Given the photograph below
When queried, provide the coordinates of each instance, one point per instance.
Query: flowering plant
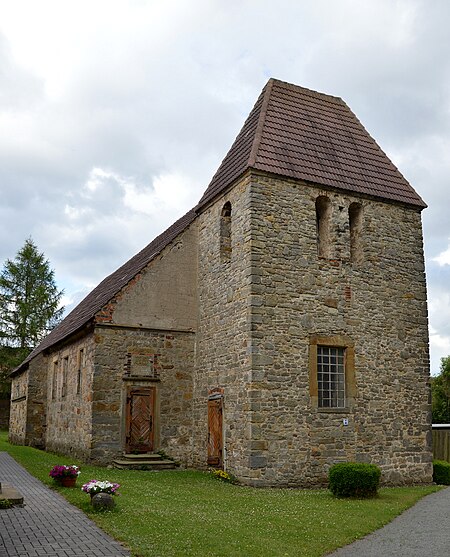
(222, 475)
(95, 486)
(60, 471)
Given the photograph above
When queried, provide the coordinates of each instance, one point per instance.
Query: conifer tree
(29, 300)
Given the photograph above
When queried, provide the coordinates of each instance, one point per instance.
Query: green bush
(441, 472)
(354, 479)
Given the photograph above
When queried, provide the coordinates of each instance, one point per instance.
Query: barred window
(331, 377)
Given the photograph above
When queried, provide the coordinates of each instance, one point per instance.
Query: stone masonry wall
(172, 379)
(18, 412)
(223, 349)
(28, 405)
(378, 304)
(36, 403)
(69, 404)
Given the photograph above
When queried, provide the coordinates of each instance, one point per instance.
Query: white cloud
(444, 257)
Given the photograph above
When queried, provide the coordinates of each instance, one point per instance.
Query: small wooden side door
(215, 435)
(140, 420)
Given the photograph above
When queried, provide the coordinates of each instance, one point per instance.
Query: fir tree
(29, 300)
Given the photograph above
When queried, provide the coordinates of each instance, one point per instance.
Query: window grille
(331, 376)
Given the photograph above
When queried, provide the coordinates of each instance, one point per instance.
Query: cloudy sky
(114, 115)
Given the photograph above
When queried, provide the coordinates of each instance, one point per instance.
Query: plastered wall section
(377, 304)
(69, 383)
(223, 349)
(164, 294)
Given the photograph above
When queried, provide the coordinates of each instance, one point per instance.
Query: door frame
(215, 400)
(140, 390)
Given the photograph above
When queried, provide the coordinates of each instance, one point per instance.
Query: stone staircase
(145, 461)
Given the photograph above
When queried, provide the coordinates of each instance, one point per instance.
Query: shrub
(354, 479)
(223, 476)
(441, 472)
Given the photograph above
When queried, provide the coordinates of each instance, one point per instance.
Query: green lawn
(189, 513)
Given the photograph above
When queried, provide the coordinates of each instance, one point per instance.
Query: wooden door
(215, 436)
(140, 420)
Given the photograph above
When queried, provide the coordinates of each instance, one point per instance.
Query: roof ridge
(261, 123)
(293, 86)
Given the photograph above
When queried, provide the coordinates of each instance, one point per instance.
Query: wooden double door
(140, 420)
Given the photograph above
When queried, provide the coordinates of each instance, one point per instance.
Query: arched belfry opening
(323, 218)
(225, 232)
(355, 222)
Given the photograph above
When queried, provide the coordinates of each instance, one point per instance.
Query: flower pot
(68, 482)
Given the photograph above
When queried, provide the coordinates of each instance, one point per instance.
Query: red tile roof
(301, 134)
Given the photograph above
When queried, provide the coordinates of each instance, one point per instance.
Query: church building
(278, 327)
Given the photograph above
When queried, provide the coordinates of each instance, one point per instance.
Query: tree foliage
(440, 390)
(29, 301)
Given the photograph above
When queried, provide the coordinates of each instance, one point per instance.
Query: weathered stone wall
(172, 380)
(28, 405)
(223, 348)
(37, 402)
(379, 303)
(18, 412)
(69, 403)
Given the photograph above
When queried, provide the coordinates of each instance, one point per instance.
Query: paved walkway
(421, 531)
(47, 525)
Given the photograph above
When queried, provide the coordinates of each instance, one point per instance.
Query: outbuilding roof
(301, 134)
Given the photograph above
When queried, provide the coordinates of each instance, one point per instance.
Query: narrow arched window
(355, 222)
(225, 232)
(323, 217)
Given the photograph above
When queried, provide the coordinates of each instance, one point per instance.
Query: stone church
(280, 326)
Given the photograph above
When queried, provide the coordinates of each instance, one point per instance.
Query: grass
(190, 513)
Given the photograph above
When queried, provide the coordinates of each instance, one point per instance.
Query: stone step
(145, 464)
(144, 461)
(142, 456)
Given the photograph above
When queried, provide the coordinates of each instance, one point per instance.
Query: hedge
(441, 472)
(354, 479)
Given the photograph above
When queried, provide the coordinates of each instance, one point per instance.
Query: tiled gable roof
(109, 287)
(301, 134)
